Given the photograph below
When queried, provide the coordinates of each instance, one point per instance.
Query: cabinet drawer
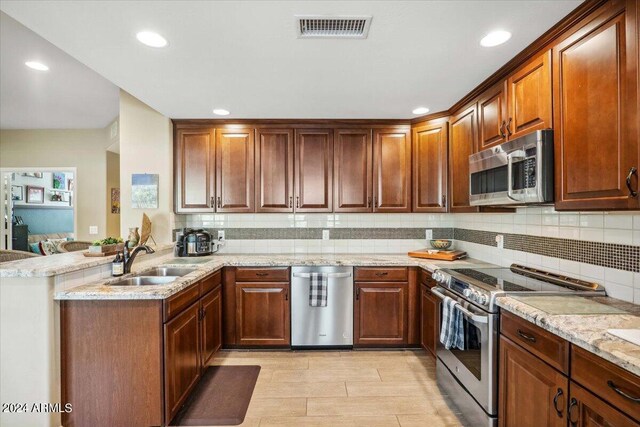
(178, 302)
(210, 283)
(381, 274)
(251, 274)
(547, 346)
(606, 380)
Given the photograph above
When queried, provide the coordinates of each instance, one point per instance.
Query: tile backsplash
(597, 246)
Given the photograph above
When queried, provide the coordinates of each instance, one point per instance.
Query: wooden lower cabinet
(182, 358)
(429, 319)
(380, 314)
(211, 331)
(532, 393)
(262, 314)
(588, 410)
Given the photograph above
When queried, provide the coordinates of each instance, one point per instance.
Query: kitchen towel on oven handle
(452, 328)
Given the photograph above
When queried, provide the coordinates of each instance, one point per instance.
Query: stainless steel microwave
(518, 172)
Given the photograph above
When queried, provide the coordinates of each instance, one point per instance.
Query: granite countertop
(588, 331)
(209, 264)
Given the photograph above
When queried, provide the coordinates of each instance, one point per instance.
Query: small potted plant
(110, 245)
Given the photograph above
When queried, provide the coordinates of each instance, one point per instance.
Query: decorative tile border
(611, 255)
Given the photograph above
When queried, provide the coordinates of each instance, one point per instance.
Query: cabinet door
(532, 393)
(380, 313)
(274, 170)
(429, 315)
(391, 170)
(262, 314)
(588, 410)
(529, 96)
(211, 331)
(353, 170)
(314, 170)
(194, 170)
(181, 358)
(462, 144)
(430, 167)
(234, 170)
(595, 112)
(492, 113)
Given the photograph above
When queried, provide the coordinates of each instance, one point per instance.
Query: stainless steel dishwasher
(330, 326)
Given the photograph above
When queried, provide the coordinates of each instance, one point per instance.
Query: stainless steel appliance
(518, 172)
(195, 242)
(330, 326)
(470, 376)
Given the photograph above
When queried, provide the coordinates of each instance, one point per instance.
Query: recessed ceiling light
(36, 65)
(151, 39)
(221, 112)
(494, 38)
(421, 110)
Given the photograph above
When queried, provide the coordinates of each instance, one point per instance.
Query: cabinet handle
(444, 200)
(357, 293)
(375, 201)
(286, 295)
(500, 130)
(212, 203)
(383, 273)
(297, 201)
(290, 201)
(204, 313)
(368, 202)
(632, 192)
(526, 336)
(508, 127)
(612, 385)
(219, 202)
(262, 274)
(573, 404)
(555, 402)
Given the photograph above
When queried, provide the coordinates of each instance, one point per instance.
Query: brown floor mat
(221, 398)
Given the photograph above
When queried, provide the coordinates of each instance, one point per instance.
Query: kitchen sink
(168, 271)
(145, 281)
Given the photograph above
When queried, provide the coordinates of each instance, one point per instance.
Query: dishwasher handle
(329, 275)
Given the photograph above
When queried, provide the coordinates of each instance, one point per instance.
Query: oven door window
(471, 356)
(489, 181)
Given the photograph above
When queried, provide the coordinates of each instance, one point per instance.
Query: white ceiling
(244, 55)
(68, 96)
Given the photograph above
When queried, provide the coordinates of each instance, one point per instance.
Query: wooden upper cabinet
(314, 170)
(462, 143)
(596, 112)
(235, 170)
(492, 115)
(392, 170)
(529, 97)
(522, 376)
(274, 170)
(353, 168)
(194, 170)
(430, 167)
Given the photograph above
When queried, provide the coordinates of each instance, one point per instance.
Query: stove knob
(436, 276)
(482, 299)
(466, 293)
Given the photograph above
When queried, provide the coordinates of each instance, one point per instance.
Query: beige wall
(83, 149)
(146, 146)
(113, 181)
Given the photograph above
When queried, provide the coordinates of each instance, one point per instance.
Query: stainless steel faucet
(129, 257)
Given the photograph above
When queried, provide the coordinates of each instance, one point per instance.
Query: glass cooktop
(503, 279)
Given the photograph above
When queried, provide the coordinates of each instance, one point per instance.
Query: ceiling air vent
(334, 27)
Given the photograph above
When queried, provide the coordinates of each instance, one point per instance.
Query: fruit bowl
(441, 243)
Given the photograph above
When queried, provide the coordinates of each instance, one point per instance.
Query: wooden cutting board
(440, 255)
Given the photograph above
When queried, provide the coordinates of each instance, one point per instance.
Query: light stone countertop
(101, 290)
(588, 331)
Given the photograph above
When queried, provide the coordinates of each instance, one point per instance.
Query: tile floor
(343, 388)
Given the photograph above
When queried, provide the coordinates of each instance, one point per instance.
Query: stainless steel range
(470, 376)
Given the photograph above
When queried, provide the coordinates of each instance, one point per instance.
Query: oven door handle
(519, 154)
(474, 317)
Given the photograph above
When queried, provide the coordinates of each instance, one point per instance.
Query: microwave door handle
(473, 317)
(519, 154)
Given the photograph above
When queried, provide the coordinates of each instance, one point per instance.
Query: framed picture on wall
(17, 193)
(35, 194)
(59, 181)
